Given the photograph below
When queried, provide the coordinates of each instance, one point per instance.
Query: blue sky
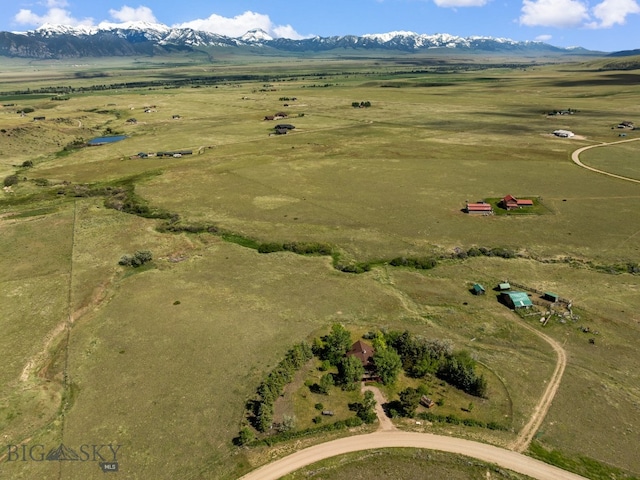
(607, 25)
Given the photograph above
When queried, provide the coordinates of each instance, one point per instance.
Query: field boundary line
(575, 157)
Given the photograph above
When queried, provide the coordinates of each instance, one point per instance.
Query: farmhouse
(512, 203)
(363, 352)
(480, 208)
(563, 133)
(516, 300)
(284, 126)
(626, 125)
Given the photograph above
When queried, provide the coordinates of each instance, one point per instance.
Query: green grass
(169, 380)
(408, 464)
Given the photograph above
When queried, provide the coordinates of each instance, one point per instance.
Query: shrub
(11, 180)
(138, 259)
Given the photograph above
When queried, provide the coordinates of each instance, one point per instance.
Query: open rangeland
(160, 360)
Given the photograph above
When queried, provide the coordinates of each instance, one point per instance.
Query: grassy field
(161, 359)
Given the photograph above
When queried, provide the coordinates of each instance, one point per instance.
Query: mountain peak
(256, 35)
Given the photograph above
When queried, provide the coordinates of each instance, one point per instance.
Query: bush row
(454, 420)
(273, 386)
(302, 248)
(350, 422)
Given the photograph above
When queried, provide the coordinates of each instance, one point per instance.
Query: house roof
(363, 351)
(525, 202)
(509, 198)
(504, 286)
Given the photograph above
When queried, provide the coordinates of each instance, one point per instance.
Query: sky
(604, 25)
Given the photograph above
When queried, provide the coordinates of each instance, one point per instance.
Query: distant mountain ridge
(136, 38)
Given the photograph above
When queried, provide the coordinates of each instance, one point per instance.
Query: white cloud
(612, 12)
(55, 16)
(553, 13)
(460, 3)
(240, 24)
(544, 38)
(57, 3)
(129, 14)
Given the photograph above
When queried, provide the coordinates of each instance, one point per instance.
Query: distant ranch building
(480, 208)
(512, 203)
(516, 300)
(564, 133)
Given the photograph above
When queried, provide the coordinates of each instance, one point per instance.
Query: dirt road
(575, 156)
(391, 439)
(542, 408)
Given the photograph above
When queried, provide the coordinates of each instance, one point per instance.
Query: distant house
(516, 300)
(36, 119)
(511, 203)
(176, 117)
(504, 286)
(270, 117)
(551, 297)
(626, 125)
(478, 289)
(480, 208)
(363, 352)
(281, 115)
(281, 131)
(284, 126)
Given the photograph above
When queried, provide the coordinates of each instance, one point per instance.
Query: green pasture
(162, 359)
(621, 159)
(408, 464)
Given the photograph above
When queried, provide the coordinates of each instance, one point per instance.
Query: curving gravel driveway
(391, 439)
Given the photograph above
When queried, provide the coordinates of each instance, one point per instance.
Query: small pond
(103, 140)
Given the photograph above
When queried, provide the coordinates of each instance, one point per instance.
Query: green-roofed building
(478, 289)
(516, 300)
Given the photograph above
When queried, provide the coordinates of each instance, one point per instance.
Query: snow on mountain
(256, 35)
(142, 36)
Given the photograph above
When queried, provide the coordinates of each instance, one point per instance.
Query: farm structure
(478, 289)
(516, 300)
(426, 401)
(564, 133)
(512, 203)
(479, 208)
(177, 153)
(277, 116)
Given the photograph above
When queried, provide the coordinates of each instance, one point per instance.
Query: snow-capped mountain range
(135, 38)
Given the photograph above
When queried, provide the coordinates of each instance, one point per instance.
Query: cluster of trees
(302, 248)
(273, 386)
(366, 104)
(332, 349)
(136, 260)
(422, 263)
(501, 252)
(422, 357)
(365, 410)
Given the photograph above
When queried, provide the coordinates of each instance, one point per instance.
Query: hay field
(162, 359)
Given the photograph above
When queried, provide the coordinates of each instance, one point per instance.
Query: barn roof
(519, 299)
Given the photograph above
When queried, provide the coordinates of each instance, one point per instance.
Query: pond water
(102, 140)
